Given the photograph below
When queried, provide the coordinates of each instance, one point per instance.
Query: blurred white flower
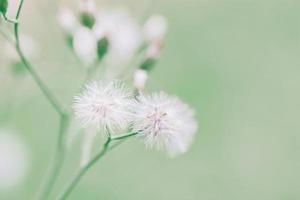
(28, 46)
(105, 107)
(88, 6)
(155, 28)
(67, 19)
(164, 122)
(139, 79)
(122, 32)
(12, 8)
(13, 160)
(85, 45)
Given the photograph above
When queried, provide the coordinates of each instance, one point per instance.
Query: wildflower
(13, 159)
(104, 107)
(139, 79)
(87, 13)
(155, 28)
(85, 45)
(122, 32)
(164, 122)
(67, 20)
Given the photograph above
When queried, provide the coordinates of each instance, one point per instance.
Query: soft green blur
(235, 61)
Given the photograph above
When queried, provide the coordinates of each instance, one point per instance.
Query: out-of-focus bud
(85, 45)
(152, 55)
(139, 79)
(12, 8)
(154, 50)
(102, 47)
(148, 64)
(155, 28)
(3, 6)
(66, 20)
(87, 13)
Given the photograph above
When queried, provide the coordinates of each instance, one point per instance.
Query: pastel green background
(235, 61)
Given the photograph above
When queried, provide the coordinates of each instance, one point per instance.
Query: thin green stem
(46, 91)
(83, 170)
(64, 118)
(106, 147)
(120, 137)
(58, 159)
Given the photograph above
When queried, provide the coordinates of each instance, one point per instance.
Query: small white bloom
(88, 6)
(139, 79)
(122, 32)
(155, 28)
(164, 122)
(105, 107)
(12, 8)
(13, 160)
(67, 20)
(154, 49)
(85, 45)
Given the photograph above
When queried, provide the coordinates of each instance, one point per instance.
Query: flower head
(105, 107)
(122, 32)
(85, 45)
(164, 122)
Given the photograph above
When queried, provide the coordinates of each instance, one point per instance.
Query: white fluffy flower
(13, 160)
(122, 32)
(105, 107)
(85, 45)
(155, 28)
(164, 122)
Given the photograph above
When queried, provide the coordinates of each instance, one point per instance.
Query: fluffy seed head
(105, 107)
(164, 122)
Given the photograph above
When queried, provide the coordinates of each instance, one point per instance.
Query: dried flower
(105, 107)
(164, 122)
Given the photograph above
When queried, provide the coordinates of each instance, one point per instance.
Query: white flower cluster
(112, 35)
(163, 121)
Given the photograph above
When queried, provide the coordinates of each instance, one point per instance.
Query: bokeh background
(235, 61)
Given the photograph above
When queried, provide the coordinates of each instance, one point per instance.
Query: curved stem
(46, 91)
(64, 118)
(84, 169)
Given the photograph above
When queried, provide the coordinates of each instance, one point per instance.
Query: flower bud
(85, 45)
(66, 20)
(3, 6)
(102, 47)
(139, 79)
(87, 13)
(148, 64)
(155, 28)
